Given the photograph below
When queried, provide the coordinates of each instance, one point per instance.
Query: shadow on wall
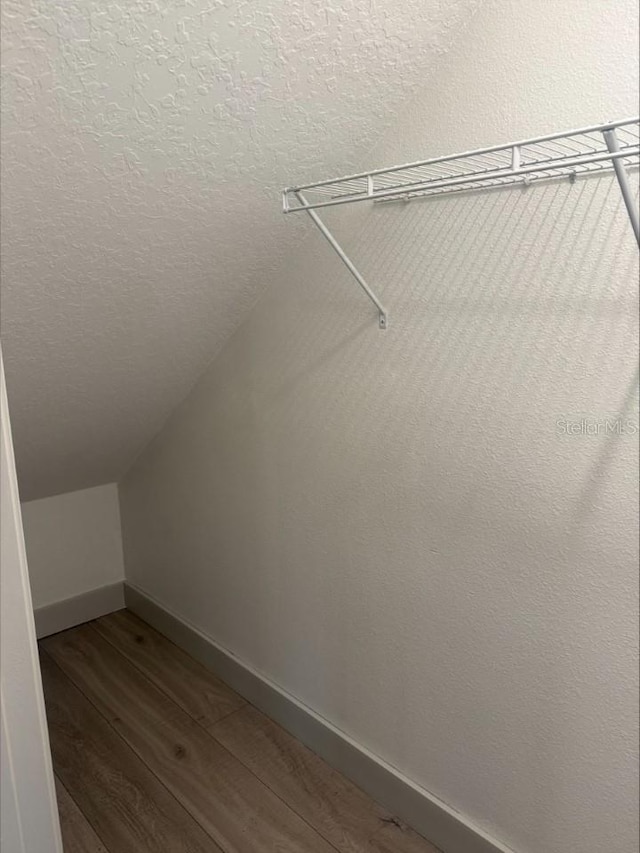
(501, 305)
(394, 526)
(436, 459)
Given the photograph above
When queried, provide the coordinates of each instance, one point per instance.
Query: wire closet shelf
(571, 154)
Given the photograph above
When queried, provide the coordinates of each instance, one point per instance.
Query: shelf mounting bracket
(613, 145)
(382, 313)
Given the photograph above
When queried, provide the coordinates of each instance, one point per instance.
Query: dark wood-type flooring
(153, 754)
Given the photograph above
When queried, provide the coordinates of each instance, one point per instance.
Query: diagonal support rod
(623, 180)
(382, 313)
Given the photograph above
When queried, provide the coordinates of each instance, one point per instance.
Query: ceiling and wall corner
(144, 145)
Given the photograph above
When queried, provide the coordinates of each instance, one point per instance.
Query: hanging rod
(595, 149)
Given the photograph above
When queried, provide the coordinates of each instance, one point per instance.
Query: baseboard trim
(442, 825)
(80, 608)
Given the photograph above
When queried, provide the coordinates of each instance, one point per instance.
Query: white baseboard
(81, 608)
(442, 825)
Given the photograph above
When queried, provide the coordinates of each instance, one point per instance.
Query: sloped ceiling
(144, 146)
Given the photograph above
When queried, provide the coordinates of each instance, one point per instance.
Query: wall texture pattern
(74, 543)
(397, 527)
(144, 144)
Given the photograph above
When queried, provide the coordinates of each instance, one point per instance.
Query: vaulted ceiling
(144, 147)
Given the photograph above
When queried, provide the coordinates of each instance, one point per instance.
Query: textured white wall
(390, 525)
(143, 144)
(74, 543)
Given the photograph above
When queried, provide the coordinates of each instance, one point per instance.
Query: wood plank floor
(153, 753)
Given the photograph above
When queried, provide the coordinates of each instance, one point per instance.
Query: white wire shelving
(597, 149)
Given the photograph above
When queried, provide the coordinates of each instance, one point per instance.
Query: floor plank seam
(136, 753)
(163, 671)
(94, 622)
(219, 743)
(59, 781)
(370, 838)
(204, 729)
(275, 793)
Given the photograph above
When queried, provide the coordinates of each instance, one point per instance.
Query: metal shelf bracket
(613, 144)
(382, 313)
